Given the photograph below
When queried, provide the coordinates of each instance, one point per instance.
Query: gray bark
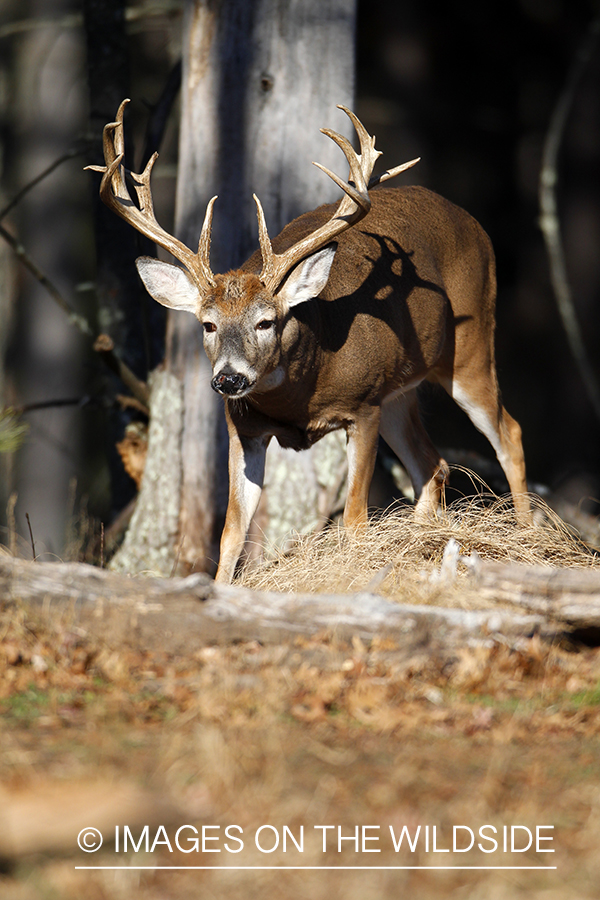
(260, 79)
(150, 541)
(567, 595)
(181, 614)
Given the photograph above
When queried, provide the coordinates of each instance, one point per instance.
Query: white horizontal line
(315, 868)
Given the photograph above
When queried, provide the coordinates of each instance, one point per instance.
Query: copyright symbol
(89, 840)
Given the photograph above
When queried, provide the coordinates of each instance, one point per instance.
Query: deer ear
(168, 284)
(308, 278)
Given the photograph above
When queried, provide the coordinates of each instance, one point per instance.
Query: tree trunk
(45, 351)
(260, 78)
(125, 312)
(149, 544)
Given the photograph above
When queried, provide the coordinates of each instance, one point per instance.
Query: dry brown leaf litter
(315, 731)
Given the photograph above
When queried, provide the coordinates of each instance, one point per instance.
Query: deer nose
(229, 383)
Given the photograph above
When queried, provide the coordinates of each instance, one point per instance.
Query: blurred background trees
(470, 87)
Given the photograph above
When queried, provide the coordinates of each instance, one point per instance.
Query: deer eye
(265, 324)
(209, 327)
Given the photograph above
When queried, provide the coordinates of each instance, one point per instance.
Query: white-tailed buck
(334, 325)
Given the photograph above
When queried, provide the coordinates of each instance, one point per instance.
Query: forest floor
(217, 771)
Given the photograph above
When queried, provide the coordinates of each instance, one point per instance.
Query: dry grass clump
(397, 551)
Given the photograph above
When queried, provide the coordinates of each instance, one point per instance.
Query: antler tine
(266, 248)
(113, 145)
(119, 136)
(115, 194)
(368, 154)
(352, 208)
(357, 191)
(204, 244)
(360, 198)
(143, 190)
(354, 160)
(391, 173)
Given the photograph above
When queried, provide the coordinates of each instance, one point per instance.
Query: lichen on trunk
(150, 544)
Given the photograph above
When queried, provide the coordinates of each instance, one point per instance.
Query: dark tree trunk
(133, 321)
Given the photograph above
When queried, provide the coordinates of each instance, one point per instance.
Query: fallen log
(182, 614)
(565, 595)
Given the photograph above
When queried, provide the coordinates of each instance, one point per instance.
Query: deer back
(409, 285)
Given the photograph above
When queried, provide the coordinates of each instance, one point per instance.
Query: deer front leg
(362, 453)
(246, 477)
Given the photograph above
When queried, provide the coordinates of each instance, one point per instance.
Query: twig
(177, 555)
(12, 524)
(549, 222)
(49, 404)
(30, 536)
(104, 345)
(161, 111)
(75, 20)
(126, 402)
(137, 387)
(24, 25)
(119, 524)
(70, 154)
(80, 322)
(101, 545)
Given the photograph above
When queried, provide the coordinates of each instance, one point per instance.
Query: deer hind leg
(402, 429)
(481, 401)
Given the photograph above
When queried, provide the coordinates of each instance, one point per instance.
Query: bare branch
(31, 536)
(70, 154)
(49, 404)
(104, 345)
(74, 318)
(75, 20)
(160, 113)
(30, 24)
(549, 222)
(137, 387)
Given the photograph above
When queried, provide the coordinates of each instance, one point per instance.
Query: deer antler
(114, 192)
(353, 207)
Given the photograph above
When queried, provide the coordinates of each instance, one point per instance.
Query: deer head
(243, 315)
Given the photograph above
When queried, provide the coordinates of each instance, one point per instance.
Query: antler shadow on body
(333, 325)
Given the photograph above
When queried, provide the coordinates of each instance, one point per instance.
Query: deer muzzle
(230, 383)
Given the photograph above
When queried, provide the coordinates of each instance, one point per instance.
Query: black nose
(229, 383)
